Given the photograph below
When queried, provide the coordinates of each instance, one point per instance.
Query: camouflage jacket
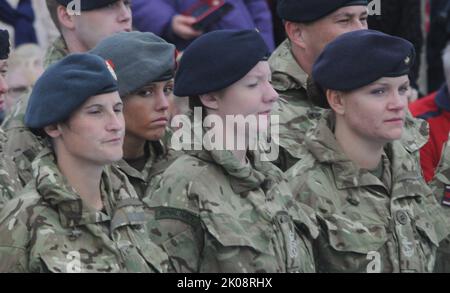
(21, 146)
(297, 113)
(440, 185)
(368, 224)
(160, 157)
(56, 52)
(295, 109)
(214, 215)
(48, 229)
(9, 180)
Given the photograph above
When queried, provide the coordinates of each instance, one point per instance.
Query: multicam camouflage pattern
(295, 109)
(368, 224)
(213, 214)
(160, 157)
(8, 175)
(297, 113)
(440, 185)
(56, 52)
(20, 145)
(48, 229)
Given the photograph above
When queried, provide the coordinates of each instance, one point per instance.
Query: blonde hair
(29, 59)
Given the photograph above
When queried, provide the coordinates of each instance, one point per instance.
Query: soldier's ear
(336, 101)
(210, 101)
(65, 19)
(52, 130)
(295, 33)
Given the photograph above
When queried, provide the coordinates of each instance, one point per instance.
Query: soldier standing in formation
(310, 25)
(219, 210)
(375, 210)
(76, 215)
(79, 33)
(145, 66)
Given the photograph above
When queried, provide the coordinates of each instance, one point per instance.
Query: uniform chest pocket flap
(347, 235)
(75, 262)
(229, 231)
(427, 230)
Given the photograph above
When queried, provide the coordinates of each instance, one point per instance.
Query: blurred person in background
(437, 39)
(435, 109)
(402, 19)
(25, 67)
(167, 19)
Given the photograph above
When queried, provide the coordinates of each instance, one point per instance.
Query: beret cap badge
(110, 66)
(407, 60)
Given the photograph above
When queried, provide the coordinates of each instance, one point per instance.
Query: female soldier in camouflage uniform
(145, 66)
(228, 210)
(375, 211)
(76, 215)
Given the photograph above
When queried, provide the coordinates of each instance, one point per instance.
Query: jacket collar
(243, 178)
(55, 190)
(321, 142)
(156, 151)
(286, 73)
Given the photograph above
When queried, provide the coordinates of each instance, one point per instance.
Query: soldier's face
(147, 111)
(321, 32)
(253, 95)
(94, 133)
(376, 112)
(3, 84)
(93, 26)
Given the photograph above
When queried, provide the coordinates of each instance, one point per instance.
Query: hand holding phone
(182, 26)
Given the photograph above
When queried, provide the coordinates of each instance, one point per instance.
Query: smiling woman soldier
(77, 215)
(376, 212)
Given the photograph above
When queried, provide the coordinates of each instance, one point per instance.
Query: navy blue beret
(358, 58)
(4, 44)
(311, 10)
(218, 59)
(86, 5)
(65, 86)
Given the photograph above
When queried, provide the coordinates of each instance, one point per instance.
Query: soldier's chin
(394, 135)
(111, 158)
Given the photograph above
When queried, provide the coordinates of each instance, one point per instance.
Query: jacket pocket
(347, 235)
(75, 262)
(230, 232)
(348, 246)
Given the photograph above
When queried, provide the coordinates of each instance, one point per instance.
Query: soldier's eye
(403, 89)
(168, 90)
(378, 92)
(145, 93)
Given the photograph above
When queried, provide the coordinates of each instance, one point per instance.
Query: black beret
(86, 5)
(65, 86)
(218, 59)
(311, 10)
(358, 58)
(4, 44)
(131, 52)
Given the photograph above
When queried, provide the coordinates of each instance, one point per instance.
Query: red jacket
(435, 109)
